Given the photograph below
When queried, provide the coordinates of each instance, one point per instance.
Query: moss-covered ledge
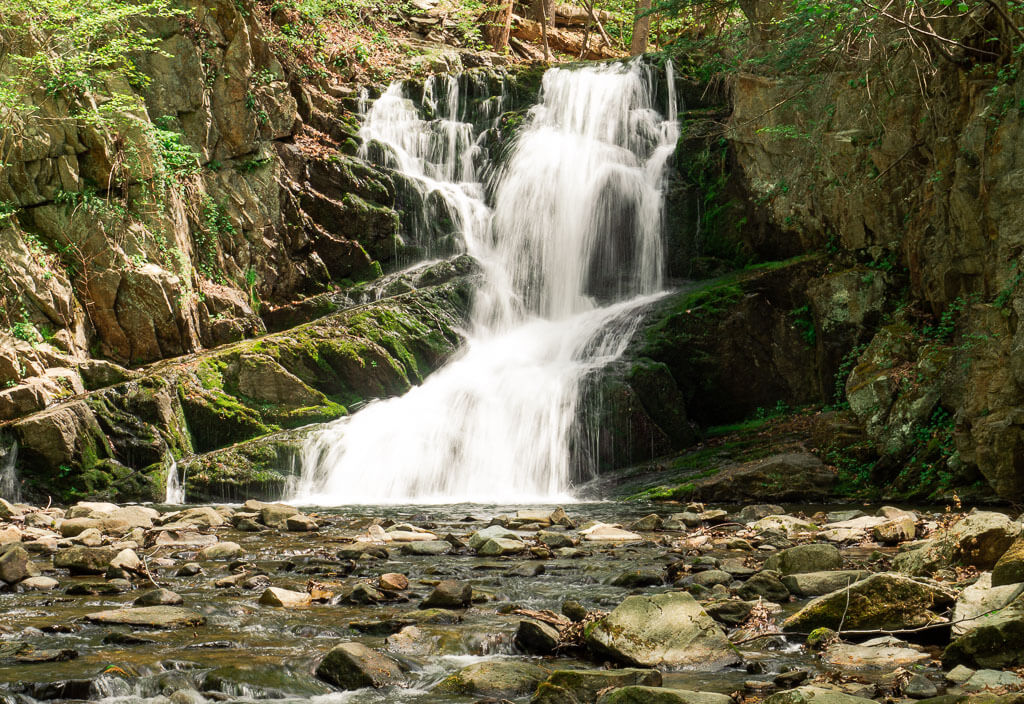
(116, 443)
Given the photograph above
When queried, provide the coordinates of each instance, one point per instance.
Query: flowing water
(570, 242)
(10, 488)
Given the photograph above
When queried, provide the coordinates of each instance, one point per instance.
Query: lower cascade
(570, 244)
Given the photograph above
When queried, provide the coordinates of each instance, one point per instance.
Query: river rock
(987, 680)
(812, 557)
(920, 687)
(205, 516)
(636, 579)
(981, 598)
(1009, 569)
(787, 525)
(765, 585)
(895, 530)
(536, 637)
(501, 546)
(978, 539)
(263, 681)
(584, 685)
(755, 512)
(709, 578)
(38, 584)
(10, 534)
(83, 560)
(995, 640)
(354, 666)
(300, 523)
(15, 564)
(285, 598)
(556, 539)
(128, 560)
(159, 597)
(809, 694)
(731, 612)
(149, 616)
(496, 531)
(610, 533)
(883, 655)
(647, 524)
(494, 678)
(658, 695)
(184, 538)
(662, 630)
(393, 582)
(882, 601)
(449, 594)
(225, 550)
(810, 584)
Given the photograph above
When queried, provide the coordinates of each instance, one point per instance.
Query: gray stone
(992, 679)
(813, 557)
(978, 539)
(810, 584)
(159, 597)
(83, 560)
(150, 616)
(495, 547)
(814, 695)
(495, 531)
(15, 564)
(536, 637)
(584, 685)
(665, 629)
(635, 579)
(765, 585)
(449, 594)
(979, 599)
(225, 550)
(658, 695)
(994, 640)
(354, 666)
(426, 547)
(920, 687)
(494, 678)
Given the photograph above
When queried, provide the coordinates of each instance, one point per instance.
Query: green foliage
(26, 331)
(803, 321)
(943, 330)
(206, 238)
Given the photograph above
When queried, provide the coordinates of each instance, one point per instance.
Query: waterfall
(570, 245)
(10, 488)
(174, 491)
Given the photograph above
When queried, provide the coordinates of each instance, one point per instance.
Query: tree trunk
(539, 9)
(496, 26)
(641, 27)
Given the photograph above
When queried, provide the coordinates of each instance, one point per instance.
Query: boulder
(662, 630)
(286, 598)
(482, 536)
(817, 583)
(584, 685)
(882, 601)
(978, 539)
(765, 585)
(127, 560)
(501, 546)
(636, 579)
(868, 656)
(38, 584)
(788, 525)
(168, 617)
(84, 560)
(610, 533)
(981, 598)
(299, 523)
(494, 678)
(812, 557)
(647, 524)
(995, 640)
(657, 695)
(15, 564)
(536, 637)
(895, 530)
(354, 666)
(225, 550)
(393, 581)
(1009, 569)
(159, 597)
(814, 695)
(449, 594)
(429, 547)
(556, 539)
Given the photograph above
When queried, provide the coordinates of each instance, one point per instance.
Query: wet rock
(433, 616)
(994, 640)
(636, 579)
(765, 585)
(574, 610)
(107, 588)
(610, 533)
(285, 598)
(408, 640)
(895, 531)
(449, 594)
(920, 687)
(1009, 569)
(15, 564)
(665, 629)
(494, 678)
(90, 537)
(38, 584)
(190, 569)
(814, 695)
(159, 597)
(186, 696)
(649, 523)
(787, 525)
(299, 523)
(184, 538)
(838, 516)
(817, 583)
(426, 547)
(83, 560)
(393, 582)
(354, 666)
(709, 578)
(555, 539)
(536, 637)
(731, 612)
(959, 674)
(496, 531)
(364, 594)
(658, 695)
(883, 601)
(204, 516)
(263, 682)
(790, 678)
(584, 685)
(149, 616)
(496, 547)
(221, 551)
(118, 638)
(46, 655)
(812, 557)
(978, 539)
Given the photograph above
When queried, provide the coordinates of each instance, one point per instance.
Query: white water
(570, 251)
(174, 490)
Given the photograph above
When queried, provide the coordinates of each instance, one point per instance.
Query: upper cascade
(571, 248)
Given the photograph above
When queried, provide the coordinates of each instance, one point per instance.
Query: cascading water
(10, 488)
(174, 489)
(570, 250)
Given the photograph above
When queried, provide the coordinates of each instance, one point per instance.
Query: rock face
(669, 630)
(882, 601)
